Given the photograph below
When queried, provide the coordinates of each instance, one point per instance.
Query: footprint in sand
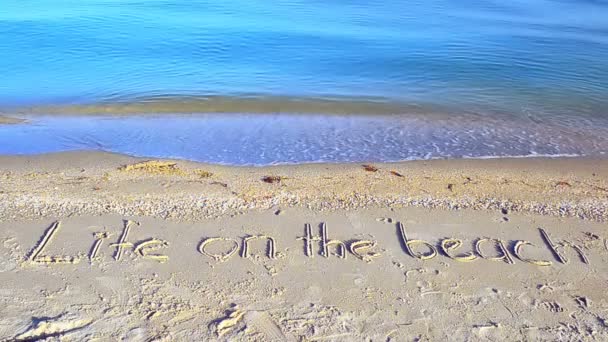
(43, 328)
(263, 323)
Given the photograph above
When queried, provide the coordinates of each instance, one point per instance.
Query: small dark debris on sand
(219, 183)
(395, 173)
(271, 179)
(370, 168)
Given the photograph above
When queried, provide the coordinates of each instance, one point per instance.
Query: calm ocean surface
(303, 81)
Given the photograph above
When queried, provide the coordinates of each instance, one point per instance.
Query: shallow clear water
(508, 62)
(250, 139)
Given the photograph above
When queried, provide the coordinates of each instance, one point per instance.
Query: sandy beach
(98, 246)
(304, 171)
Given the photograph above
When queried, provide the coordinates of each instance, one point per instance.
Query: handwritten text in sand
(222, 249)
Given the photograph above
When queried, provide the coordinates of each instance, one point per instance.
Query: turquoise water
(491, 66)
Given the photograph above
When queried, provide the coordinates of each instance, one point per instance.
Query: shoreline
(95, 184)
(251, 139)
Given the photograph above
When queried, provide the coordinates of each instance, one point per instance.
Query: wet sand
(7, 120)
(103, 246)
(226, 104)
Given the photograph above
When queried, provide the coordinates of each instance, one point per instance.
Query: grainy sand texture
(104, 247)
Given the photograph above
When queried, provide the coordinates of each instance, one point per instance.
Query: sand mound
(156, 167)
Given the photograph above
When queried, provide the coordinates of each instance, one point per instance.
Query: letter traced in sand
(45, 239)
(143, 248)
(448, 245)
(99, 237)
(358, 246)
(408, 244)
(262, 322)
(271, 250)
(308, 240)
(325, 243)
(555, 248)
(34, 256)
(499, 245)
(123, 238)
(519, 244)
(221, 256)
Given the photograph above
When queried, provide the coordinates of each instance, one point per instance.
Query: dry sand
(104, 247)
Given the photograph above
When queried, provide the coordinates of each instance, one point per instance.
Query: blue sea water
(501, 68)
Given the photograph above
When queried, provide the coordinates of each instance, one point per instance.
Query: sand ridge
(95, 184)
